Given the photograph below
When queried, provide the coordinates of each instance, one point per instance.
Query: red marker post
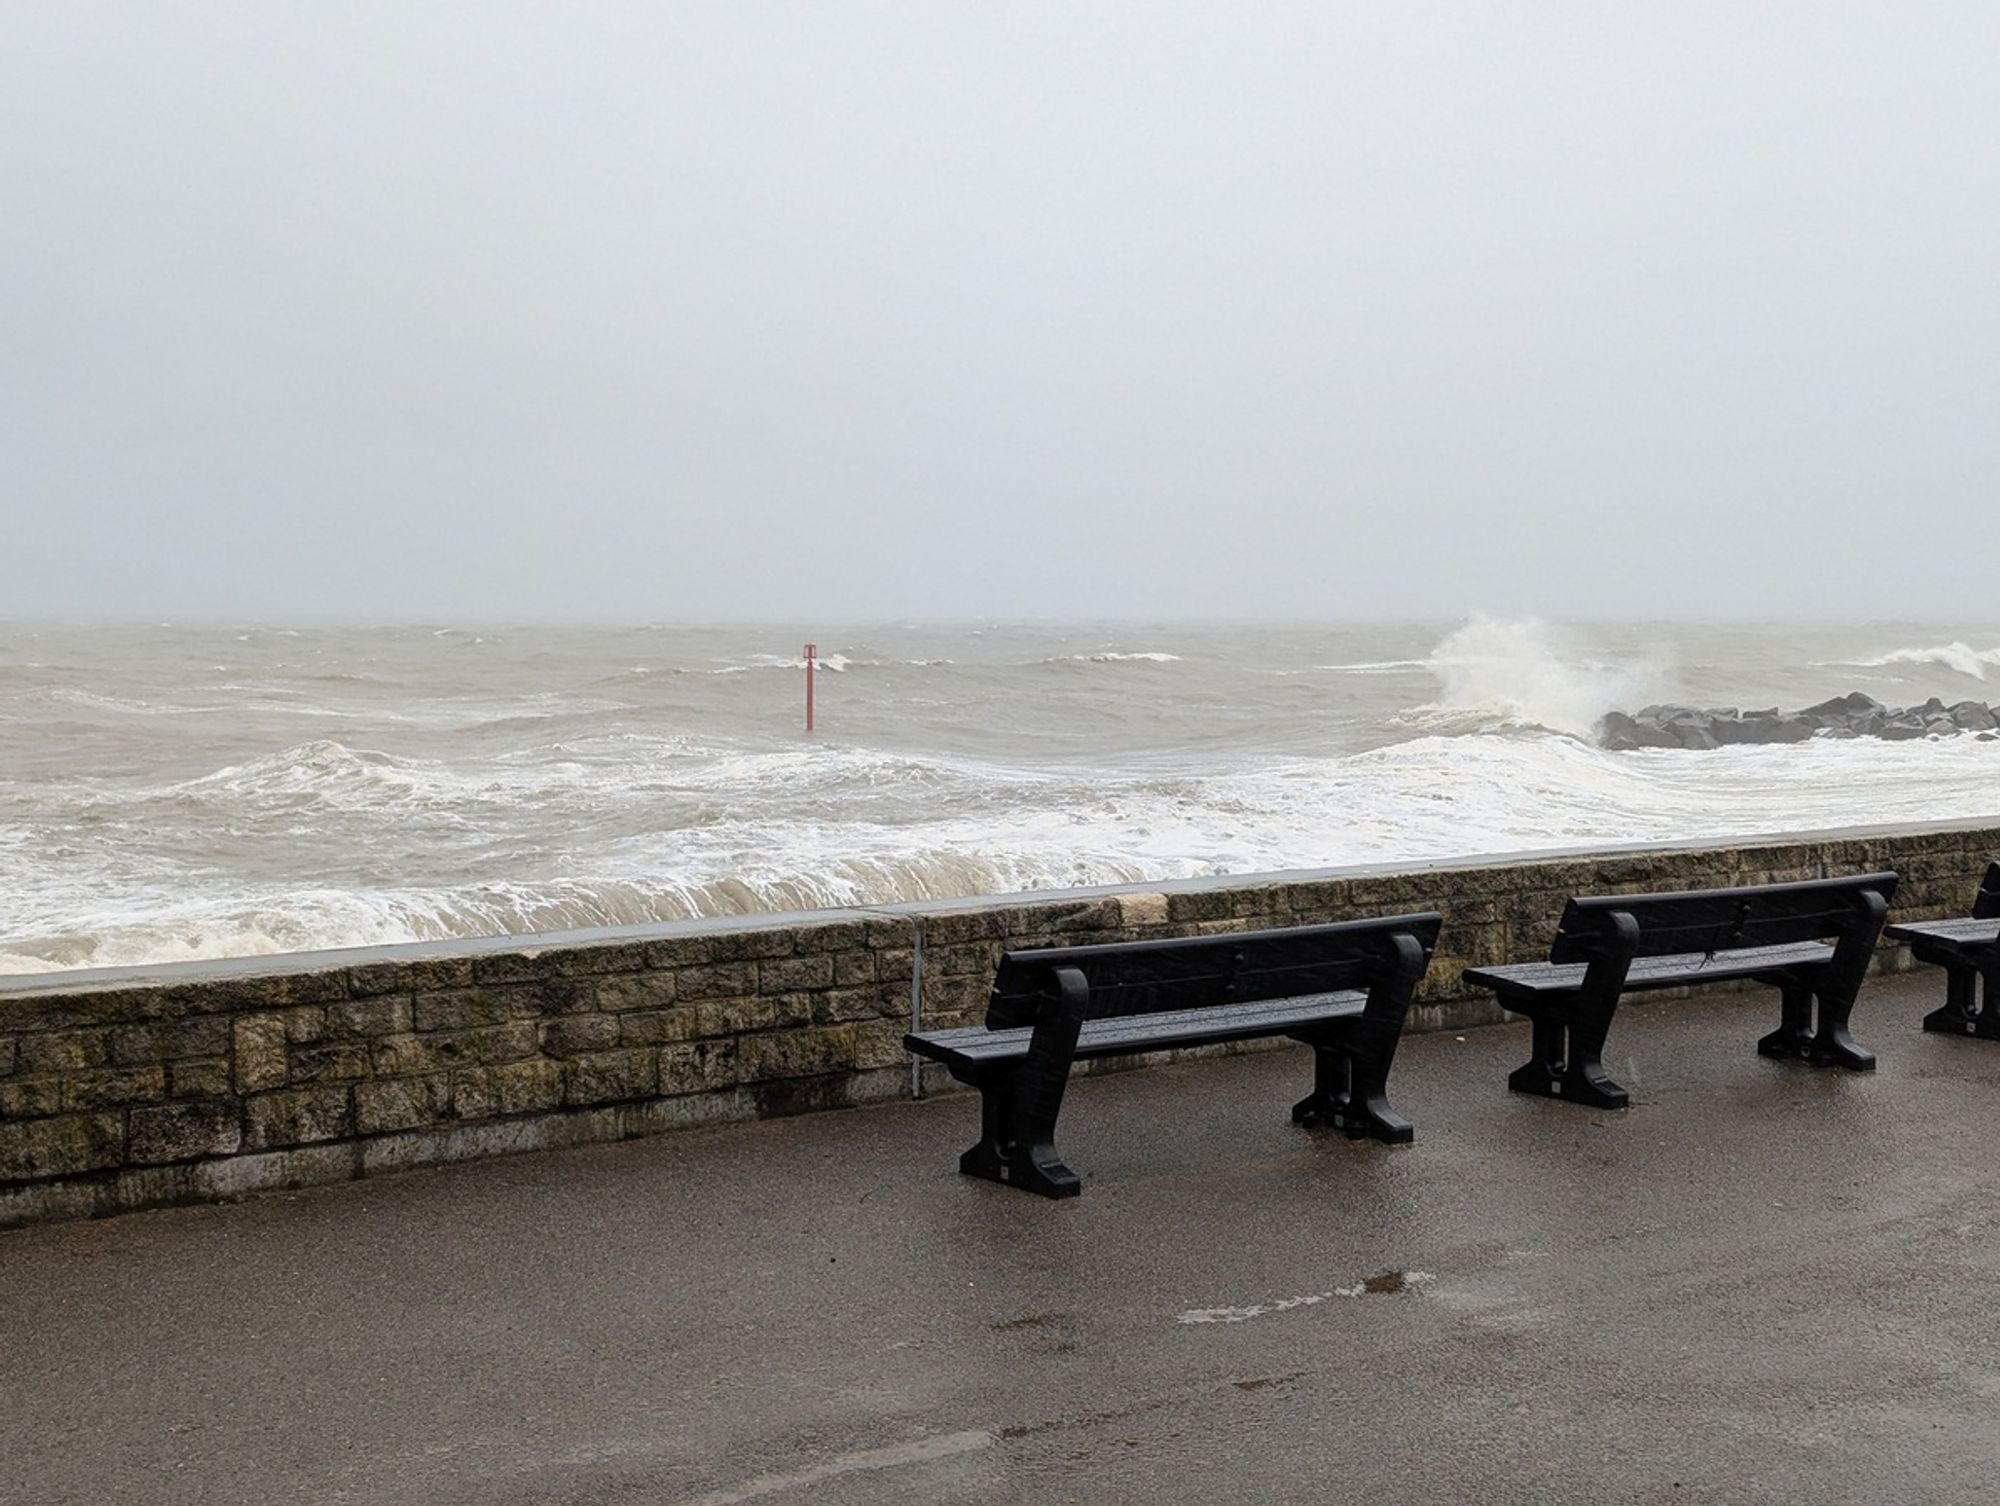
(812, 653)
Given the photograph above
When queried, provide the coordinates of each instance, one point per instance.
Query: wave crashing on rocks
(1851, 715)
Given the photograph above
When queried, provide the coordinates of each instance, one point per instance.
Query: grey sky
(735, 310)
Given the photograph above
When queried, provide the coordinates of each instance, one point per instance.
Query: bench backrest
(1719, 920)
(1987, 905)
(1147, 977)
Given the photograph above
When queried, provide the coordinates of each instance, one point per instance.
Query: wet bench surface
(1342, 989)
(1608, 945)
(1969, 952)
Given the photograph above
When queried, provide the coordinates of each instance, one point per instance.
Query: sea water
(171, 792)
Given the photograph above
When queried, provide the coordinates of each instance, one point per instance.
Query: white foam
(1116, 656)
(1493, 673)
(1958, 656)
(628, 829)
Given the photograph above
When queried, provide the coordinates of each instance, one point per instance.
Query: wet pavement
(1762, 1283)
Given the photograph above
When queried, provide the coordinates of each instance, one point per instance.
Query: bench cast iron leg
(1543, 1070)
(1331, 1081)
(1832, 1046)
(1368, 1112)
(1585, 1080)
(1351, 1090)
(1968, 1005)
(1793, 1038)
(1018, 1106)
(1575, 1072)
(1840, 984)
(1351, 1064)
(996, 1112)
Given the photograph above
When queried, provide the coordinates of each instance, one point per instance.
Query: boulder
(1845, 707)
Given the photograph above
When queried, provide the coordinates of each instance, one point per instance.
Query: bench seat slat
(1122, 1035)
(1966, 933)
(1654, 972)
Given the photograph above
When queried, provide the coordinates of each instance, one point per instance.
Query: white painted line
(1403, 1279)
(923, 1451)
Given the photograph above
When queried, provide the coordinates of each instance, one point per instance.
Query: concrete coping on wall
(283, 963)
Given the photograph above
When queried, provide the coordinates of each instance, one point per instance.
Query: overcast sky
(674, 311)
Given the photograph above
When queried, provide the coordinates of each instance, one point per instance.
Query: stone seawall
(130, 1088)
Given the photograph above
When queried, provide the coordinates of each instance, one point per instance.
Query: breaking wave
(154, 810)
(1494, 675)
(1958, 656)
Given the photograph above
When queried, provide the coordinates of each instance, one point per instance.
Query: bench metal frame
(1180, 992)
(1771, 934)
(1969, 952)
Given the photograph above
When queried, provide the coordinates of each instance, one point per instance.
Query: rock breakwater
(1851, 715)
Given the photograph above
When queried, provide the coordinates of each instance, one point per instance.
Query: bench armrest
(1044, 1072)
(1395, 985)
(1851, 953)
(1611, 958)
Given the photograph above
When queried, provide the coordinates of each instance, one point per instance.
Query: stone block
(429, 975)
(113, 1088)
(722, 1017)
(838, 1005)
(389, 1014)
(297, 1116)
(522, 1087)
(63, 1051)
(1200, 904)
(721, 980)
(698, 1066)
(305, 1023)
(1142, 910)
(320, 986)
(31, 1097)
(652, 990)
(832, 936)
(331, 1061)
(656, 1027)
(750, 946)
(585, 961)
(784, 975)
(969, 992)
(606, 1076)
(261, 1060)
(201, 1077)
(149, 1045)
(850, 968)
(413, 1055)
(796, 1053)
(400, 1103)
(572, 1035)
(185, 1131)
(474, 1008)
(61, 1147)
(883, 933)
(879, 1043)
(679, 951)
(983, 923)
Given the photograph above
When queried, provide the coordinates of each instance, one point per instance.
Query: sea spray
(1493, 673)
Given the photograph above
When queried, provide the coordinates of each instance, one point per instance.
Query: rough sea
(173, 792)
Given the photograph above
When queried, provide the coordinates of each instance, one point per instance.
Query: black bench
(1967, 950)
(1341, 989)
(1610, 944)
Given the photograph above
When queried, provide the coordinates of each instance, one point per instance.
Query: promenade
(1760, 1284)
